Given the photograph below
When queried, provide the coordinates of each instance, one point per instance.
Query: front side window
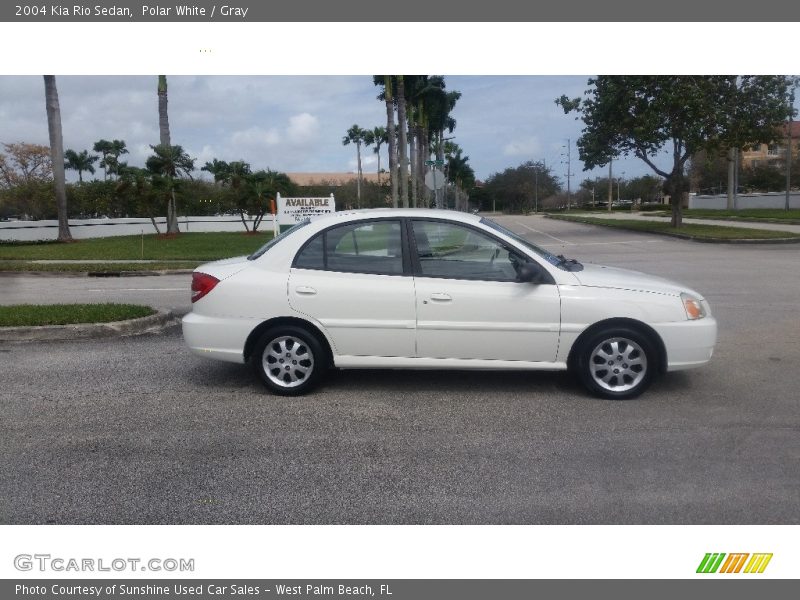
(452, 251)
(371, 247)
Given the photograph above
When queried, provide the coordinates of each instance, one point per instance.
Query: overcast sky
(297, 123)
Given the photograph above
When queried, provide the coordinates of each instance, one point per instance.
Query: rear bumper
(221, 338)
(689, 344)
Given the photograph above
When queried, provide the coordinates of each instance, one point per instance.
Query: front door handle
(440, 297)
(304, 290)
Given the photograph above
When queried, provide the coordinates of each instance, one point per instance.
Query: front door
(469, 302)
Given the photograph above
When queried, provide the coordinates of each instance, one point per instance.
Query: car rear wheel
(617, 364)
(289, 360)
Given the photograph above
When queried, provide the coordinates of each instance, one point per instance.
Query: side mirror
(530, 272)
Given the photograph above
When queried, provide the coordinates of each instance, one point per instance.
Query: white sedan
(427, 289)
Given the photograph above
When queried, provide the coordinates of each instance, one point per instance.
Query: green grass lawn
(26, 266)
(706, 232)
(27, 315)
(753, 214)
(200, 247)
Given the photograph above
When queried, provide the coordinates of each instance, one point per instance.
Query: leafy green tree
(57, 155)
(522, 188)
(80, 162)
(708, 172)
(137, 185)
(763, 178)
(645, 116)
(263, 187)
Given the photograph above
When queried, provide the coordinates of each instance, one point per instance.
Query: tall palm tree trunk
(164, 137)
(392, 139)
(57, 155)
(412, 153)
(402, 124)
(424, 153)
(359, 175)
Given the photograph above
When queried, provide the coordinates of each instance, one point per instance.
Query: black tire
(618, 363)
(289, 360)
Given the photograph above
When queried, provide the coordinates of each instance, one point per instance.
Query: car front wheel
(617, 364)
(289, 360)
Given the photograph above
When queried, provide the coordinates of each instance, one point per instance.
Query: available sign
(294, 210)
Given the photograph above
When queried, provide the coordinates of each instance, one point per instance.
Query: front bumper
(689, 344)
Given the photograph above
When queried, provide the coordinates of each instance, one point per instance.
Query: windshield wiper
(570, 264)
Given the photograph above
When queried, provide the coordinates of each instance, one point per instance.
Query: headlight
(694, 308)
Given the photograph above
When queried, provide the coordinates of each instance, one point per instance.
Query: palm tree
(377, 136)
(57, 155)
(356, 135)
(218, 168)
(104, 147)
(80, 162)
(387, 82)
(402, 125)
(459, 172)
(167, 165)
(163, 116)
(116, 149)
(164, 141)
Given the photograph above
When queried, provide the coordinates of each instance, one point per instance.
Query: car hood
(626, 279)
(221, 269)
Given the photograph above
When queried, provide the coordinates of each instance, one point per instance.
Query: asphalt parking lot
(138, 430)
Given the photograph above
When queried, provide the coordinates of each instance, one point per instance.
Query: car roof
(375, 213)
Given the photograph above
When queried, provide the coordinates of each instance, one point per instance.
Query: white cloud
(254, 138)
(302, 129)
(529, 147)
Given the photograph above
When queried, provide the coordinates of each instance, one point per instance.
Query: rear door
(354, 280)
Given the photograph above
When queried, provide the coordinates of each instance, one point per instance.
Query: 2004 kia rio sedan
(433, 289)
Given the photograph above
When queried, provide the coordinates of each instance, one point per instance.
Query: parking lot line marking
(543, 233)
(629, 243)
(139, 290)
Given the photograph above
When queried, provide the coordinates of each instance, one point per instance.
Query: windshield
(551, 258)
(560, 261)
(278, 238)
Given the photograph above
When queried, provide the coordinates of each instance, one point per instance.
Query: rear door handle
(304, 290)
(440, 297)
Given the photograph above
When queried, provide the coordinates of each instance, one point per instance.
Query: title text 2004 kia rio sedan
(433, 289)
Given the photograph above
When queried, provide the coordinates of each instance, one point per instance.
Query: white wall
(765, 200)
(92, 228)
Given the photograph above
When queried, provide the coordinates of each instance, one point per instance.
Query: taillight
(202, 283)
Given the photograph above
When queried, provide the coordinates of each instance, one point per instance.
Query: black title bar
(409, 10)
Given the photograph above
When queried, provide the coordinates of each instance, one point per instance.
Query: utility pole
(610, 185)
(569, 171)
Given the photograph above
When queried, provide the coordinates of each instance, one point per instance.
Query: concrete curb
(155, 322)
(682, 236)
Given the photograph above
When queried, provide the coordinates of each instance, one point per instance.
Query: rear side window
(371, 247)
(312, 256)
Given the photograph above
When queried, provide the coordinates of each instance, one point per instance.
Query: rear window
(279, 238)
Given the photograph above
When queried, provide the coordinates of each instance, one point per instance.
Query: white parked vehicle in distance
(430, 289)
